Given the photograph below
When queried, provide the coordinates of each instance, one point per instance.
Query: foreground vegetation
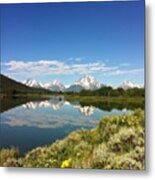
(116, 143)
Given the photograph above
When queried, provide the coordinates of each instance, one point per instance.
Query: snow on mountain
(32, 83)
(128, 85)
(55, 86)
(88, 82)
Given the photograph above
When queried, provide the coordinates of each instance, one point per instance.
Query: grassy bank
(107, 103)
(103, 98)
(116, 143)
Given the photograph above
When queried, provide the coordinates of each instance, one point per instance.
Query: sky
(65, 41)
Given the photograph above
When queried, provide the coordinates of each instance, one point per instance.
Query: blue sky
(65, 41)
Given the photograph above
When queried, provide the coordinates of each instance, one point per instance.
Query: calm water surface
(38, 123)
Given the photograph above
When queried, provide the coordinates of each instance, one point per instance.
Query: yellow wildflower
(66, 163)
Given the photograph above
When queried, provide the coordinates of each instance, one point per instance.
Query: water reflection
(52, 113)
(56, 104)
(85, 110)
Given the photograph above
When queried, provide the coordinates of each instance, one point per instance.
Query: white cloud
(123, 72)
(44, 67)
(55, 67)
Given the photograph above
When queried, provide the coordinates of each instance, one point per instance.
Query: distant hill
(12, 87)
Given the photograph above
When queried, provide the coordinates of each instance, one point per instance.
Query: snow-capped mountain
(55, 86)
(32, 83)
(128, 85)
(88, 82)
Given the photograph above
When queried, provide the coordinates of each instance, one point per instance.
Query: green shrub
(8, 157)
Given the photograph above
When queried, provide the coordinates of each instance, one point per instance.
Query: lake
(27, 124)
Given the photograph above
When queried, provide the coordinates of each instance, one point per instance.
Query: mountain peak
(88, 78)
(128, 84)
(56, 82)
(88, 82)
(32, 83)
(55, 86)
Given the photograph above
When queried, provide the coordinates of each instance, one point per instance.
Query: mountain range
(86, 82)
(129, 85)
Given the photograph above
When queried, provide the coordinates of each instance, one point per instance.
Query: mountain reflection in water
(56, 104)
